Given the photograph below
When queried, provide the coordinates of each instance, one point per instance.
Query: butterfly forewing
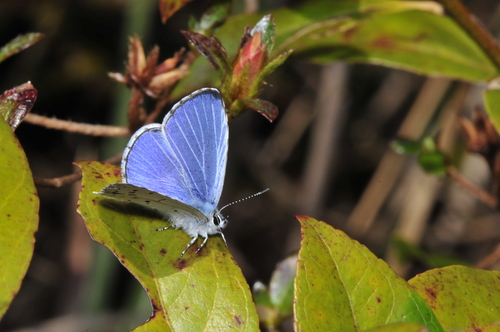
(185, 157)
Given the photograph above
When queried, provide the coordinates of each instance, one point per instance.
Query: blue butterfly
(178, 167)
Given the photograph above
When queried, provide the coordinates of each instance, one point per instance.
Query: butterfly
(178, 167)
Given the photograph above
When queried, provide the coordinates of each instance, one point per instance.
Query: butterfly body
(178, 167)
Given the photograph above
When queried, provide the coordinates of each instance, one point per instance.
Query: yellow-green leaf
(18, 215)
(400, 327)
(340, 285)
(463, 298)
(411, 35)
(203, 291)
(492, 106)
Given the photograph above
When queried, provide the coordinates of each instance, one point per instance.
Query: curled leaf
(16, 103)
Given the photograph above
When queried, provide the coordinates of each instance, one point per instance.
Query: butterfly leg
(164, 228)
(224, 239)
(193, 240)
(202, 244)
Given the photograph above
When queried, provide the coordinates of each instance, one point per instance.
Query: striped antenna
(244, 199)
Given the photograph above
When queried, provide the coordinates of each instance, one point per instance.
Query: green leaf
(16, 103)
(342, 286)
(267, 27)
(407, 251)
(281, 286)
(169, 7)
(18, 215)
(463, 299)
(492, 106)
(418, 41)
(18, 44)
(400, 327)
(410, 35)
(203, 291)
(433, 162)
(405, 146)
(212, 18)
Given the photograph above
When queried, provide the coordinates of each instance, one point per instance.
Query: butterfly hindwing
(175, 211)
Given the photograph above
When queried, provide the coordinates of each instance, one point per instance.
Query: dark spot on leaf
(186, 308)
(181, 264)
(379, 300)
(420, 37)
(163, 251)
(238, 320)
(348, 34)
(8, 216)
(430, 293)
(98, 176)
(383, 42)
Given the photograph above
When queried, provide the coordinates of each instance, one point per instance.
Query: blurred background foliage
(339, 169)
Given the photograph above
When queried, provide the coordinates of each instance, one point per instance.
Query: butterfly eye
(216, 220)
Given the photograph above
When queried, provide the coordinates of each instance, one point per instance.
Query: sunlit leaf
(342, 286)
(203, 291)
(400, 327)
(463, 299)
(18, 44)
(18, 215)
(492, 106)
(16, 103)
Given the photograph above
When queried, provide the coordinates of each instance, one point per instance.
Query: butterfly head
(219, 222)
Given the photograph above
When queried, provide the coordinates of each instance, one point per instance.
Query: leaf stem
(474, 28)
(480, 193)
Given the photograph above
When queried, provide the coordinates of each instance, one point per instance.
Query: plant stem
(474, 28)
(480, 193)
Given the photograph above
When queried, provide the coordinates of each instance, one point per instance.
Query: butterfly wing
(185, 157)
(175, 211)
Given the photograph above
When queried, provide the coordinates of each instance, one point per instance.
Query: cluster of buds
(146, 77)
(243, 77)
(145, 73)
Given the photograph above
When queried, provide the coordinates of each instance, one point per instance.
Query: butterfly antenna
(244, 199)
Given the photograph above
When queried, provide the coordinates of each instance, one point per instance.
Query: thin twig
(489, 260)
(480, 193)
(474, 28)
(70, 178)
(76, 127)
(60, 181)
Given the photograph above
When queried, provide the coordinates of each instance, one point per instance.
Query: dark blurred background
(339, 169)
